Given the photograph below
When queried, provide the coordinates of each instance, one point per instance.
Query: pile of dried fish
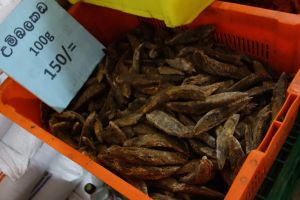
(172, 112)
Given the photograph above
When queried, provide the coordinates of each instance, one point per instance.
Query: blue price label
(48, 52)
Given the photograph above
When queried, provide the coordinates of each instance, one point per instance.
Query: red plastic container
(288, 6)
(270, 36)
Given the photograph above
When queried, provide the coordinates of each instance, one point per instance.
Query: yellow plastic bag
(172, 12)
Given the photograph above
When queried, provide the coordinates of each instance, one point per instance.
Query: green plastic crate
(283, 175)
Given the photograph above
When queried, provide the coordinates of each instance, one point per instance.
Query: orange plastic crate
(286, 6)
(269, 36)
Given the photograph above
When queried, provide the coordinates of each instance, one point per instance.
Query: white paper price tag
(48, 52)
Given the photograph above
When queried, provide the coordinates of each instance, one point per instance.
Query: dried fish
(224, 137)
(236, 154)
(96, 104)
(169, 70)
(268, 83)
(111, 57)
(181, 64)
(207, 139)
(215, 87)
(168, 124)
(101, 148)
(261, 123)
(185, 120)
(192, 35)
(153, 53)
(76, 129)
(128, 130)
(113, 134)
(128, 120)
(137, 171)
(60, 127)
(206, 64)
(91, 81)
(227, 175)
(87, 94)
(202, 150)
(226, 97)
(260, 69)
(116, 90)
(239, 131)
(88, 142)
(133, 40)
(147, 63)
(88, 126)
(134, 105)
(154, 101)
(227, 57)
(213, 101)
(98, 130)
(200, 80)
(188, 167)
(248, 133)
(173, 185)
(123, 71)
(145, 129)
(68, 116)
(230, 125)
(108, 106)
(248, 109)
(187, 92)
(145, 156)
(278, 97)
(200, 171)
(149, 90)
(197, 117)
(149, 70)
(144, 79)
(184, 51)
(259, 90)
(135, 68)
(156, 141)
(246, 82)
(216, 116)
(101, 71)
